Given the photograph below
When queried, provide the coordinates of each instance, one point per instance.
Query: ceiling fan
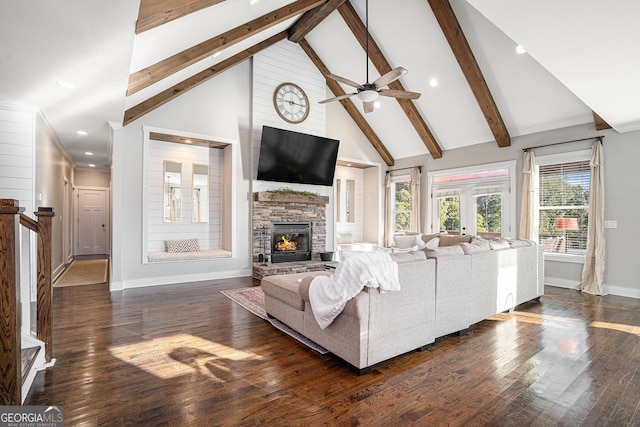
(369, 92)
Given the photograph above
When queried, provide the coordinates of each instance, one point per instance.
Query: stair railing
(11, 217)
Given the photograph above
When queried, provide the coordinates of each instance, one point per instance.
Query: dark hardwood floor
(186, 355)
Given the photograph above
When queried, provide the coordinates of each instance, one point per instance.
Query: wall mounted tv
(287, 156)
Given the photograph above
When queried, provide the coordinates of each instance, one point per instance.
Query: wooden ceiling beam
(358, 29)
(311, 19)
(162, 98)
(462, 51)
(163, 69)
(348, 105)
(153, 13)
(601, 124)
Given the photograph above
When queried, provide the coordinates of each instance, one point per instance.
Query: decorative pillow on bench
(187, 245)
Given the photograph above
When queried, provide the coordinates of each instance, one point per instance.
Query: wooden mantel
(275, 197)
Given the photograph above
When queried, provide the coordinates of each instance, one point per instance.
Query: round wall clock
(291, 103)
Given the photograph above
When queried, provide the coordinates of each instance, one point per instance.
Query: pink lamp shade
(570, 224)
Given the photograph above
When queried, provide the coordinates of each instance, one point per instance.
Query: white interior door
(92, 222)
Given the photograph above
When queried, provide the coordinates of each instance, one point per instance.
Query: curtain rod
(410, 167)
(564, 142)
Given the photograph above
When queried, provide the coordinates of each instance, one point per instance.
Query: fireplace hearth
(290, 241)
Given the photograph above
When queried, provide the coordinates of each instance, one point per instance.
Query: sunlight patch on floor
(182, 354)
(539, 319)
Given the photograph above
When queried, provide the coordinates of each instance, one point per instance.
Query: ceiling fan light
(367, 95)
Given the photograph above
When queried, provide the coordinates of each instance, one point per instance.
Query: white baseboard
(171, 280)
(608, 289)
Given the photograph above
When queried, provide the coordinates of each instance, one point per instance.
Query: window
(563, 203)
(401, 209)
(473, 200)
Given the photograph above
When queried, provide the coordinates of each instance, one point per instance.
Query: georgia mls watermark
(31, 416)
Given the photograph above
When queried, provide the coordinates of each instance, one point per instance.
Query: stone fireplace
(273, 207)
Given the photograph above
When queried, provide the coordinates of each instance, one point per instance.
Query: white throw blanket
(329, 294)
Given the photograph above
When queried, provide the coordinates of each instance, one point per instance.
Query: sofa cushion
(499, 244)
(285, 288)
(404, 250)
(475, 247)
(303, 286)
(187, 245)
(404, 242)
(451, 240)
(444, 251)
(521, 243)
(408, 256)
(428, 237)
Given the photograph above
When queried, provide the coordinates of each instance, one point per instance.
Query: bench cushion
(188, 256)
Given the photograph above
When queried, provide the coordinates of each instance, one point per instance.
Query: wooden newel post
(10, 336)
(44, 303)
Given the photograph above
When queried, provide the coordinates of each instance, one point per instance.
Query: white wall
(100, 178)
(208, 233)
(219, 107)
(53, 167)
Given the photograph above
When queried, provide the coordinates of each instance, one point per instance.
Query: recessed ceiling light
(81, 132)
(520, 50)
(88, 153)
(376, 104)
(253, 1)
(91, 165)
(66, 85)
(433, 82)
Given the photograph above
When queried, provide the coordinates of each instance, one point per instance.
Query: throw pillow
(427, 237)
(433, 243)
(403, 242)
(450, 240)
(187, 245)
(475, 247)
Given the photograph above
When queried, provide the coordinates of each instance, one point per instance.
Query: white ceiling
(581, 55)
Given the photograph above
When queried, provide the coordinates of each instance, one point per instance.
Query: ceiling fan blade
(343, 80)
(404, 94)
(368, 106)
(337, 98)
(391, 76)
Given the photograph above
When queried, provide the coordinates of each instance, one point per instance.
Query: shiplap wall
(285, 62)
(17, 150)
(208, 234)
(354, 228)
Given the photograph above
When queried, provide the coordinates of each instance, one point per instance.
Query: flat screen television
(287, 156)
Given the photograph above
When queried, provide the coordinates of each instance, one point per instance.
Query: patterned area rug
(252, 299)
(84, 272)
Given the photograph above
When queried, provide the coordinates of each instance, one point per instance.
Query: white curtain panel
(594, 263)
(528, 193)
(415, 200)
(388, 226)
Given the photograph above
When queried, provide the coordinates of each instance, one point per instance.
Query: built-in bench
(186, 250)
(189, 256)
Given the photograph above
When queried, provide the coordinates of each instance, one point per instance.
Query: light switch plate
(610, 223)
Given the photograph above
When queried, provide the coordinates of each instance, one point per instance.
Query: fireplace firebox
(290, 241)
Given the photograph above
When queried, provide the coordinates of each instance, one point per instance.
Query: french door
(472, 201)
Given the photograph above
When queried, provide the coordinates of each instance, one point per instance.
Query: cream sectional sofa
(373, 327)
(443, 291)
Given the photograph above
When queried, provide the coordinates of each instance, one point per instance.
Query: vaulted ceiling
(126, 59)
